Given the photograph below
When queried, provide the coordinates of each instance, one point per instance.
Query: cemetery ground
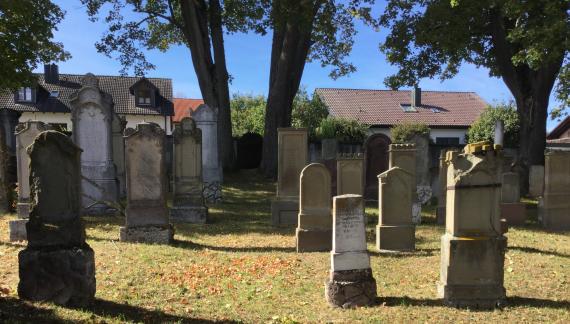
(240, 268)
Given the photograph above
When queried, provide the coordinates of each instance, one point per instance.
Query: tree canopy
(484, 127)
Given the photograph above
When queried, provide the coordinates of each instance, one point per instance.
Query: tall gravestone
(119, 125)
(92, 116)
(442, 178)
(57, 265)
(555, 206)
(423, 184)
(536, 180)
(25, 135)
(188, 202)
(206, 119)
(292, 158)
(350, 174)
(314, 228)
(473, 247)
(146, 212)
(376, 151)
(350, 283)
(395, 230)
(512, 210)
(404, 156)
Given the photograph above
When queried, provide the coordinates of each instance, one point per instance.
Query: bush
(403, 133)
(344, 130)
(248, 114)
(308, 112)
(484, 127)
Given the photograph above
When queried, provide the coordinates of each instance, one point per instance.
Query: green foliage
(484, 128)
(248, 114)
(403, 133)
(343, 129)
(308, 112)
(26, 39)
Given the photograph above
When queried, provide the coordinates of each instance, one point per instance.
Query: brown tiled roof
(185, 108)
(116, 86)
(559, 129)
(384, 107)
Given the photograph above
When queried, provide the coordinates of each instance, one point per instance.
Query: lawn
(239, 268)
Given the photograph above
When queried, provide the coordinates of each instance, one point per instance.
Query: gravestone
(25, 135)
(512, 210)
(395, 230)
(92, 115)
(146, 212)
(119, 125)
(5, 203)
(442, 177)
(424, 192)
(291, 159)
(376, 151)
(555, 208)
(536, 180)
(473, 247)
(314, 228)
(329, 148)
(188, 203)
(350, 283)
(350, 174)
(57, 265)
(206, 119)
(404, 156)
(249, 149)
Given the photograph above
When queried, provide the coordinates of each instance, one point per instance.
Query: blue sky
(247, 57)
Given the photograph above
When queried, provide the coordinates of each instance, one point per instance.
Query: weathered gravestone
(146, 212)
(376, 151)
(119, 125)
(395, 230)
(555, 205)
(536, 180)
(351, 283)
(314, 229)
(57, 265)
(442, 178)
(423, 185)
(92, 115)
(473, 247)
(292, 158)
(512, 210)
(404, 156)
(25, 135)
(5, 158)
(206, 119)
(188, 202)
(350, 174)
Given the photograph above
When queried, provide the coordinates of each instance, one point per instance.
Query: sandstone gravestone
(395, 230)
(146, 212)
(119, 125)
(351, 283)
(404, 156)
(292, 158)
(350, 174)
(473, 247)
(512, 210)
(536, 180)
(188, 202)
(442, 178)
(92, 115)
(57, 265)
(25, 135)
(555, 207)
(206, 119)
(314, 229)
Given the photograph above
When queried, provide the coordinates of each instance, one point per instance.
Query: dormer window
(25, 94)
(144, 97)
(146, 93)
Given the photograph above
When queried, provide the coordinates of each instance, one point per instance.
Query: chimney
(416, 97)
(51, 73)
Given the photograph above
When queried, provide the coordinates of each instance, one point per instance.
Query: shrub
(344, 130)
(248, 114)
(484, 127)
(308, 112)
(403, 133)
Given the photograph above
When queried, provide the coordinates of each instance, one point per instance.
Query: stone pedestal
(351, 288)
(284, 212)
(396, 238)
(555, 207)
(514, 213)
(206, 119)
(147, 234)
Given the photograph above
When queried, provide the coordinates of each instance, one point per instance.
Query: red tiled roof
(185, 108)
(384, 107)
(560, 129)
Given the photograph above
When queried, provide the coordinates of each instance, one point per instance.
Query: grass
(239, 268)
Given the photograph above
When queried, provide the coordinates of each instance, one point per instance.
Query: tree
(524, 42)
(248, 113)
(484, 127)
(198, 24)
(26, 39)
(305, 30)
(308, 112)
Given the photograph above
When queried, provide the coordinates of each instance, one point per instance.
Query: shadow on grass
(515, 301)
(411, 254)
(19, 244)
(197, 246)
(16, 310)
(534, 250)
(407, 301)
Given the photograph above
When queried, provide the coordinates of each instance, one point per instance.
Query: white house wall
(434, 133)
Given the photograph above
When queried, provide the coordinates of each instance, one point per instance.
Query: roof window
(25, 94)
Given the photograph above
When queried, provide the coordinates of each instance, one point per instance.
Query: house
(184, 107)
(560, 134)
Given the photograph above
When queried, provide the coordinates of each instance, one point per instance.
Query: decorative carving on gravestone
(395, 230)
(188, 202)
(555, 203)
(350, 283)
(146, 212)
(25, 135)
(512, 210)
(206, 119)
(314, 229)
(473, 247)
(57, 265)
(350, 174)
(376, 151)
(92, 116)
(292, 158)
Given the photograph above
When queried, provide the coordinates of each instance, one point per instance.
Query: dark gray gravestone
(58, 265)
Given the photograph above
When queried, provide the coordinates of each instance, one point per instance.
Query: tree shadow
(196, 246)
(408, 301)
(16, 310)
(406, 254)
(534, 250)
(513, 301)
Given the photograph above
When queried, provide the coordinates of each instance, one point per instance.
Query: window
(447, 140)
(25, 94)
(54, 94)
(144, 97)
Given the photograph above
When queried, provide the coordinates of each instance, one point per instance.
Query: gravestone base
(514, 213)
(23, 210)
(472, 271)
(213, 192)
(390, 238)
(284, 212)
(147, 234)
(189, 214)
(554, 211)
(313, 240)
(99, 210)
(351, 288)
(17, 230)
(63, 276)
(440, 215)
